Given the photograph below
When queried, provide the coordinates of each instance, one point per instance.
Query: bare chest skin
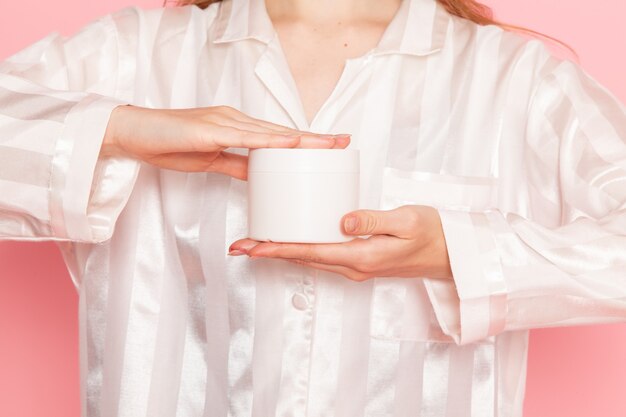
(316, 54)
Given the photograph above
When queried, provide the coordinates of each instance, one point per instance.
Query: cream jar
(300, 195)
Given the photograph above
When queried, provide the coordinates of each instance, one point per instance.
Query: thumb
(372, 222)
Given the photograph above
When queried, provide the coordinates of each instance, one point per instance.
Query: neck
(331, 11)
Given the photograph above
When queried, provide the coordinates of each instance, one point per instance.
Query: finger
(250, 123)
(231, 137)
(243, 245)
(231, 164)
(276, 127)
(225, 163)
(316, 142)
(398, 222)
(183, 161)
(241, 117)
(307, 139)
(228, 114)
(346, 254)
(341, 142)
(337, 269)
(354, 274)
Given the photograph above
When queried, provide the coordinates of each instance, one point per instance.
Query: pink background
(573, 372)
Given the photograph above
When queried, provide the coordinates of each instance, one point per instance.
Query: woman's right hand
(194, 139)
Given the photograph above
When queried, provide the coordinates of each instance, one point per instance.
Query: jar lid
(303, 160)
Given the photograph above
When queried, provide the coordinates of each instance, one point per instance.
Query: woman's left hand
(405, 242)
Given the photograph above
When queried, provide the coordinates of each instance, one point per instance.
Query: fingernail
(322, 140)
(244, 246)
(350, 224)
(342, 135)
(236, 252)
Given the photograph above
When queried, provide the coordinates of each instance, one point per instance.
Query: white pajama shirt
(522, 153)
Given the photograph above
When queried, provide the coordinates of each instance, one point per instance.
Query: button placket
(298, 334)
(301, 299)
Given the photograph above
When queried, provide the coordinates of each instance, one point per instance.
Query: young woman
(493, 195)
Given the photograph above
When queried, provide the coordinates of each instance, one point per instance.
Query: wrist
(110, 143)
(435, 257)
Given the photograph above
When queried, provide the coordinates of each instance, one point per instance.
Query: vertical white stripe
(124, 254)
(145, 302)
(374, 126)
(435, 379)
(461, 369)
(147, 26)
(388, 299)
(408, 109)
(325, 352)
(216, 319)
(127, 22)
(461, 53)
(166, 57)
(510, 372)
(84, 356)
(483, 381)
(409, 382)
(434, 99)
(185, 88)
(93, 293)
(181, 322)
(268, 339)
(381, 381)
(164, 384)
(417, 313)
(241, 304)
(352, 373)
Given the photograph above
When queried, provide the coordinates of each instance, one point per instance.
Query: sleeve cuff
(473, 305)
(87, 194)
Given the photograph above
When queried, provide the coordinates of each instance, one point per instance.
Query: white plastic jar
(300, 195)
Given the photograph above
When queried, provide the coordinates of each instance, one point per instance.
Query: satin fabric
(522, 153)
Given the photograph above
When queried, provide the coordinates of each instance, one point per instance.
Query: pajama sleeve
(56, 97)
(514, 271)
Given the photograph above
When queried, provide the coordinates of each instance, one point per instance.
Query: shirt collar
(418, 28)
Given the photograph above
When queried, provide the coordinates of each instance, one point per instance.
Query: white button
(300, 301)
